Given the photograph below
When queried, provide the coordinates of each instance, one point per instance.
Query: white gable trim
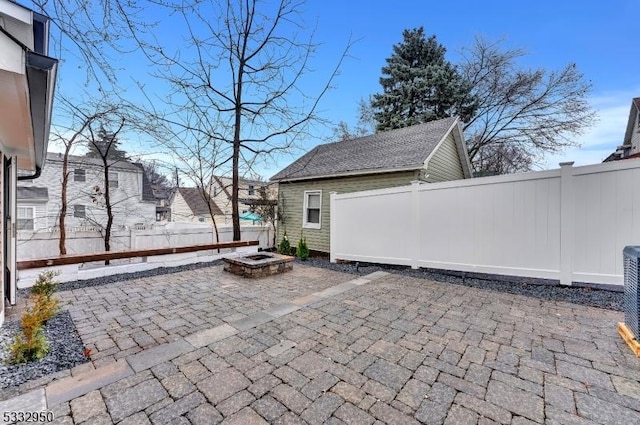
(463, 155)
(462, 151)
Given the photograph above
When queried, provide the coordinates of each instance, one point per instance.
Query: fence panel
(569, 224)
(44, 244)
(380, 216)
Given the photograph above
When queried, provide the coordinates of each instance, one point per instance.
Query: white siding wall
(570, 224)
(126, 199)
(180, 210)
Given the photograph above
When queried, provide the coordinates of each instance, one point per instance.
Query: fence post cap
(567, 163)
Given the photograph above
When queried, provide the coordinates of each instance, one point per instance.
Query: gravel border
(65, 351)
(610, 298)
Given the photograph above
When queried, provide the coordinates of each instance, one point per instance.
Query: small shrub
(302, 251)
(44, 308)
(45, 284)
(31, 344)
(23, 350)
(284, 247)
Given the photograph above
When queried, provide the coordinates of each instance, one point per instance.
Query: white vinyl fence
(45, 244)
(569, 224)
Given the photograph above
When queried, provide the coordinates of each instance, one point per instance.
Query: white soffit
(16, 131)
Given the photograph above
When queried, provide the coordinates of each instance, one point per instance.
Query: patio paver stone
(378, 349)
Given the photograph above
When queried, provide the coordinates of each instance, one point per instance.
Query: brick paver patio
(315, 346)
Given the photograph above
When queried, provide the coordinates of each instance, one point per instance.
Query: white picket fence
(87, 241)
(569, 224)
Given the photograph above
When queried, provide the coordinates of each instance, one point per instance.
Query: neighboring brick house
(39, 200)
(630, 147)
(189, 205)
(430, 152)
(249, 190)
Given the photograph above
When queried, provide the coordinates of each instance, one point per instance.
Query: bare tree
(70, 136)
(104, 143)
(239, 81)
(495, 159)
(522, 114)
(96, 32)
(365, 126)
(194, 156)
(156, 178)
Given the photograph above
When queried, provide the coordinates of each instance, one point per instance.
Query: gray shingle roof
(80, 161)
(403, 148)
(147, 190)
(194, 197)
(633, 113)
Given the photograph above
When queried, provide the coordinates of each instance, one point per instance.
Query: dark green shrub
(284, 247)
(302, 251)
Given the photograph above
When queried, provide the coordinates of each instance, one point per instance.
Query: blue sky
(596, 35)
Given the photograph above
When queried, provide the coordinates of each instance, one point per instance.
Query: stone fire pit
(259, 264)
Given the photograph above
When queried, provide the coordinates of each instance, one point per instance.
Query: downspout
(35, 175)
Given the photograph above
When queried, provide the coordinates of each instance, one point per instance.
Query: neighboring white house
(27, 81)
(39, 200)
(189, 205)
(249, 190)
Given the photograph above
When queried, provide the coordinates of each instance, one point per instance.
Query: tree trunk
(62, 247)
(107, 201)
(235, 214)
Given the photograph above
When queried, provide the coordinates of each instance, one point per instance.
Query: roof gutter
(33, 176)
(348, 174)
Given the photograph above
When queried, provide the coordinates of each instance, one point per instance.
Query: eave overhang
(27, 82)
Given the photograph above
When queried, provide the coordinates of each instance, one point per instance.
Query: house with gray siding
(39, 201)
(430, 152)
(630, 147)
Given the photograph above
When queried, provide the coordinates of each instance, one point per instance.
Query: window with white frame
(25, 218)
(312, 209)
(79, 211)
(251, 190)
(79, 175)
(113, 179)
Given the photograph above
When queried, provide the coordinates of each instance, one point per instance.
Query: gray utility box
(631, 256)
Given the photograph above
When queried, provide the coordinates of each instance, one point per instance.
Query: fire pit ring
(259, 264)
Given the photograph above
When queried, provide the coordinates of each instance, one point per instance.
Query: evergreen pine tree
(420, 85)
(106, 144)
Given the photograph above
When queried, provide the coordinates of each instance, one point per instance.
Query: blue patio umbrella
(250, 216)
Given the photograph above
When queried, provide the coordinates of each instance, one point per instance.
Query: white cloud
(605, 136)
